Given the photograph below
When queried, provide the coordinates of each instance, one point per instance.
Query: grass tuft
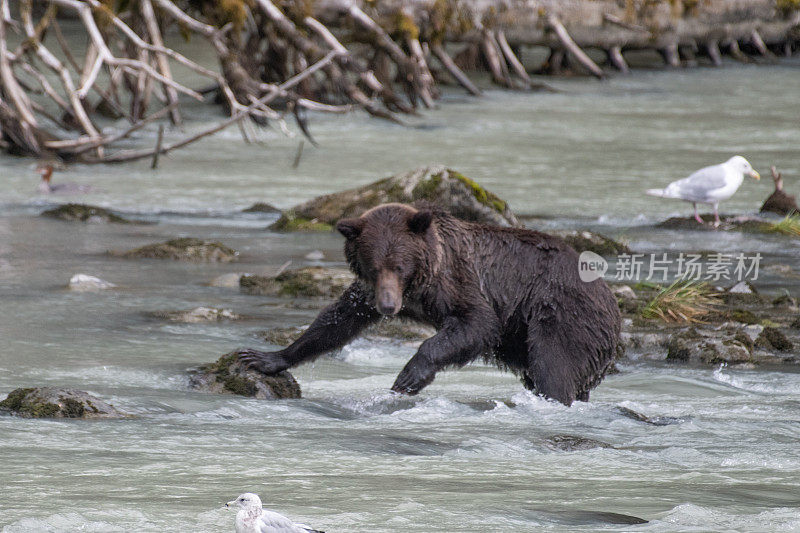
(788, 226)
(685, 301)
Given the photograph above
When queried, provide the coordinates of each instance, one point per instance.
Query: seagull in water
(709, 185)
(251, 518)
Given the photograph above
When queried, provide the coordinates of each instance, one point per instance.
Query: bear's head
(392, 248)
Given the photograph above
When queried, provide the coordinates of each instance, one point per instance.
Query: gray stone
(84, 213)
(184, 249)
(308, 282)
(51, 402)
(447, 188)
(228, 376)
(197, 315)
(87, 283)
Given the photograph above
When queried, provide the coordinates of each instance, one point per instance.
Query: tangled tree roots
(279, 58)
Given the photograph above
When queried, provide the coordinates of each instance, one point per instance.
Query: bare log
(451, 67)
(617, 60)
(570, 45)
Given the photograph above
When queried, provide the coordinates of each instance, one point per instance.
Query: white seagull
(709, 185)
(251, 518)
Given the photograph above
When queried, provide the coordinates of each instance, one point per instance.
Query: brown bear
(512, 296)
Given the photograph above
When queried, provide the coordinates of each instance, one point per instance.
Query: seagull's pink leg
(716, 216)
(696, 216)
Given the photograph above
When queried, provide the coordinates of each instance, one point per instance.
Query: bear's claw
(264, 362)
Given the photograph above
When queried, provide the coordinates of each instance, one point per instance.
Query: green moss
(17, 402)
(232, 383)
(15, 399)
(744, 316)
(426, 190)
(787, 6)
(72, 408)
(290, 222)
(298, 283)
(482, 195)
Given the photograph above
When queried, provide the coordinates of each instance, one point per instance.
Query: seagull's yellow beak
(755, 175)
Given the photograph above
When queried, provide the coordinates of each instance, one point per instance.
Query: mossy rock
(574, 443)
(583, 241)
(308, 282)
(773, 338)
(51, 402)
(84, 213)
(400, 330)
(395, 329)
(281, 336)
(228, 376)
(451, 190)
(262, 207)
(744, 316)
(689, 346)
(184, 249)
(727, 223)
(784, 300)
(795, 323)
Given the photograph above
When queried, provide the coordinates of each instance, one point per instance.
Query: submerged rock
(87, 283)
(184, 249)
(395, 330)
(573, 443)
(652, 420)
(84, 213)
(281, 336)
(308, 282)
(230, 281)
(197, 315)
(51, 402)
(399, 329)
(262, 207)
(447, 188)
(727, 223)
(228, 376)
(583, 241)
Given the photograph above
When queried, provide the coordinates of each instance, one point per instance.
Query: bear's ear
(350, 227)
(420, 221)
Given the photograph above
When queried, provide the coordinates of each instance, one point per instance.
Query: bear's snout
(388, 293)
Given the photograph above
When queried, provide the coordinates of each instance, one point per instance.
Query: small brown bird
(45, 187)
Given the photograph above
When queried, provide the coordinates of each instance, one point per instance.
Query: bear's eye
(398, 270)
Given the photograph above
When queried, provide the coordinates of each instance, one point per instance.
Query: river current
(474, 452)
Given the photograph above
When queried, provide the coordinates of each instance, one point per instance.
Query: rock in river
(227, 376)
(184, 249)
(450, 189)
(84, 213)
(308, 282)
(50, 402)
(197, 315)
(87, 283)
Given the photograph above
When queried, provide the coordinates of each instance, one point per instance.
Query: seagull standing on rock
(709, 185)
(251, 518)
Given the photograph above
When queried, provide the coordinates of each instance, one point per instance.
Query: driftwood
(278, 58)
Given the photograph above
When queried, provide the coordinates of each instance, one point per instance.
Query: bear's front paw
(412, 379)
(264, 362)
